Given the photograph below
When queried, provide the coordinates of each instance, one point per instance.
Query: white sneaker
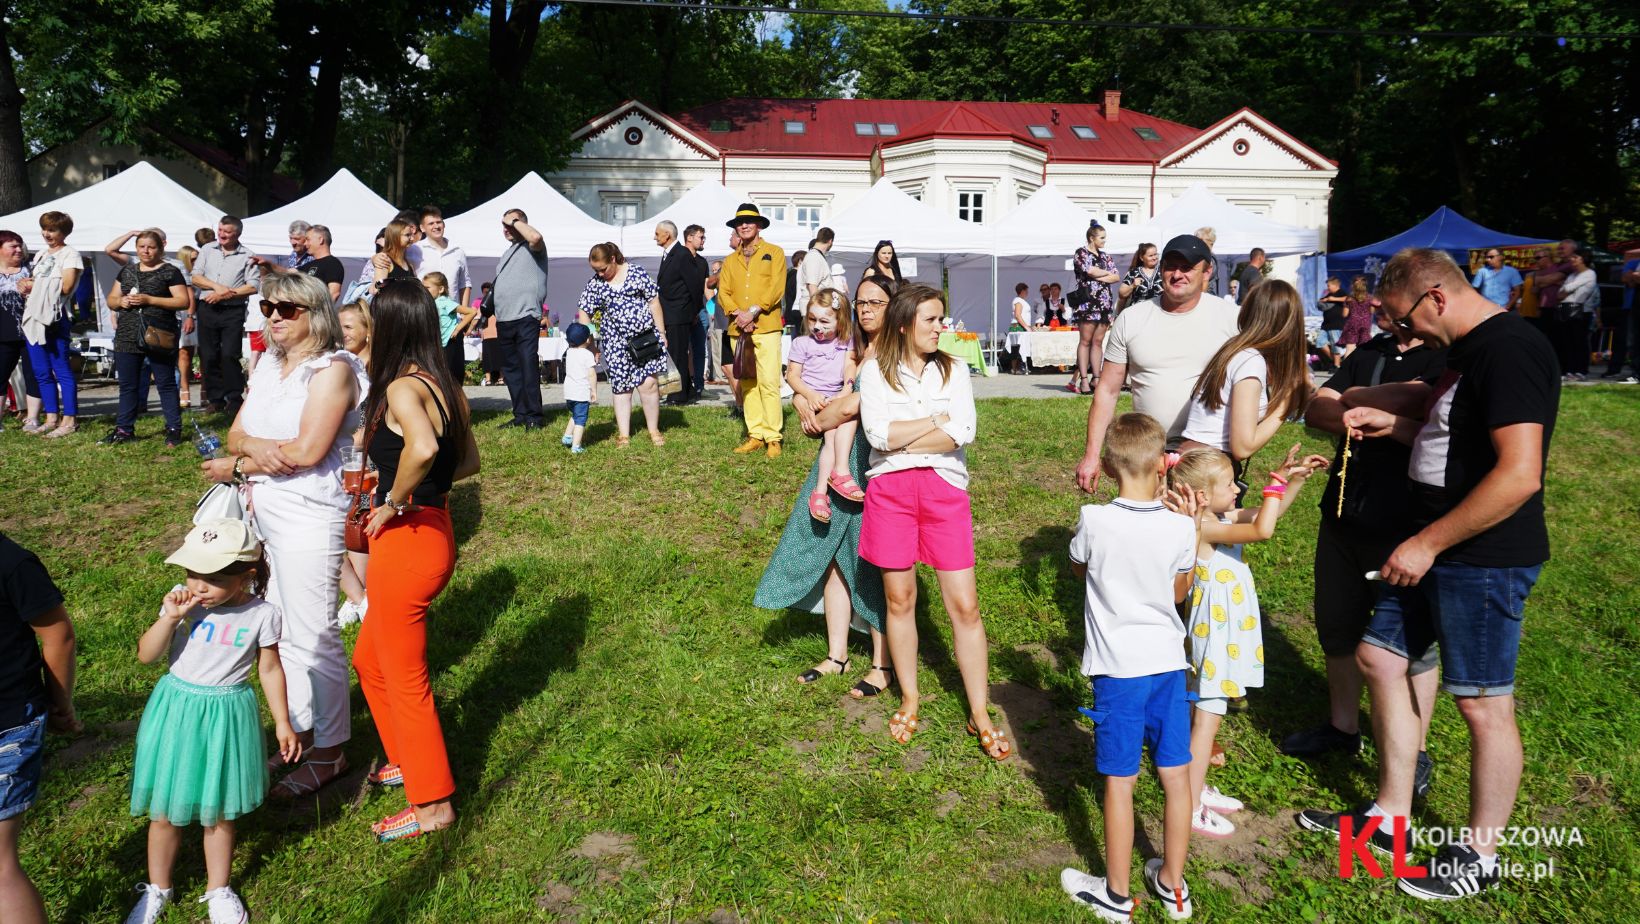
(1091, 892)
(1219, 802)
(151, 905)
(349, 612)
(225, 906)
(1209, 823)
(1176, 902)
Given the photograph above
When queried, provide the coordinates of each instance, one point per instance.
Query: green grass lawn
(629, 743)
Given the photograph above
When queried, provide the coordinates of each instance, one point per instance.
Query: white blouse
(922, 397)
(273, 411)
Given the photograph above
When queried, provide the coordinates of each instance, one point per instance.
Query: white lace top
(273, 410)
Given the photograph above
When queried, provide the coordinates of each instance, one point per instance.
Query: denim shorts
(1326, 338)
(1475, 614)
(21, 749)
(578, 411)
(1131, 712)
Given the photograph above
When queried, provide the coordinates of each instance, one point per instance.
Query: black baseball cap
(1190, 247)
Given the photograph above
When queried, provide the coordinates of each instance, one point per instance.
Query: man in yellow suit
(751, 289)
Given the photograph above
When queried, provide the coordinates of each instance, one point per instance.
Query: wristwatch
(398, 507)
(239, 469)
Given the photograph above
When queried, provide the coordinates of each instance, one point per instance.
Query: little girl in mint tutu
(200, 755)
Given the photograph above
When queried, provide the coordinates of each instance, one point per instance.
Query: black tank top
(386, 446)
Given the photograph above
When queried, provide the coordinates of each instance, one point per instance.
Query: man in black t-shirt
(322, 265)
(1375, 519)
(1477, 473)
(36, 690)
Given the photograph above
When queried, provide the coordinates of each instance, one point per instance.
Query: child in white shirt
(1138, 558)
(580, 383)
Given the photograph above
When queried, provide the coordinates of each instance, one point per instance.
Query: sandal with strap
(907, 723)
(402, 826)
(657, 439)
(845, 486)
(291, 788)
(813, 674)
(621, 442)
(864, 690)
(991, 739)
(385, 775)
(820, 507)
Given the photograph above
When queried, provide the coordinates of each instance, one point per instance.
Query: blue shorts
(1131, 712)
(21, 749)
(1474, 613)
(1326, 338)
(578, 411)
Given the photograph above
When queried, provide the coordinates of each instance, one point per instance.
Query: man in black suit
(682, 283)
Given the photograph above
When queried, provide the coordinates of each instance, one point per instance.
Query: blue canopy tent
(1444, 230)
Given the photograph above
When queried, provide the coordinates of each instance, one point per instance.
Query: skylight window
(1084, 132)
(865, 128)
(1041, 131)
(718, 125)
(794, 127)
(1147, 133)
(888, 128)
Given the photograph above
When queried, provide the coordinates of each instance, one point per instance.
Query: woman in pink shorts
(917, 412)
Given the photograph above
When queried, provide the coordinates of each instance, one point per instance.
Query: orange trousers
(410, 562)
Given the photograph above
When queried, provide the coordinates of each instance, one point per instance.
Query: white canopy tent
(1238, 230)
(138, 197)
(709, 205)
(350, 209)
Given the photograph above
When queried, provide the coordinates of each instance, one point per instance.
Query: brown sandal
(991, 739)
(907, 723)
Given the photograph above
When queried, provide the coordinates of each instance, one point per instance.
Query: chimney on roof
(814, 112)
(1054, 115)
(1113, 102)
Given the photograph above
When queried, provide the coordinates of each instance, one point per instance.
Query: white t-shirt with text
(217, 647)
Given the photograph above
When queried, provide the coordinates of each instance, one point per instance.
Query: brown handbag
(745, 358)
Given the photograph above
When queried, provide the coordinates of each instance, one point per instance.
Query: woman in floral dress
(624, 302)
(1096, 278)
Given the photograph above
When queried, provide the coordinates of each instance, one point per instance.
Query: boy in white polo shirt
(1137, 558)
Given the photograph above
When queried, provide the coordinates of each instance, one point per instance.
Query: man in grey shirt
(520, 288)
(1251, 276)
(226, 275)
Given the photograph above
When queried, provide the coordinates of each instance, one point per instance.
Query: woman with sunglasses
(286, 444)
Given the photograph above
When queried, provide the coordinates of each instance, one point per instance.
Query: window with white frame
(773, 211)
(807, 216)
(971, 205)
(794, 127)
(622, 208)
(1118, 217)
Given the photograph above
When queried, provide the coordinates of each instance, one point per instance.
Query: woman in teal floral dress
(817, 566)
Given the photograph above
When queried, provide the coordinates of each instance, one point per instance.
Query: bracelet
(1276, 477)
(1275, 490)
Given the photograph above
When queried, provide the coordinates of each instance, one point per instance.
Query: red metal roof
(757, 127)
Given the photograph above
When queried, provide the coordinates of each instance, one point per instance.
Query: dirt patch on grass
(1049, 744)
(867, 715)
(913, 758)
(946, 802)
(1047, 857)
(1257, 838)
(1041, 655)
(558, 899)
(92, 744)
(610, 853)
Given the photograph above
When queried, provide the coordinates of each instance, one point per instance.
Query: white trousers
(305, 542)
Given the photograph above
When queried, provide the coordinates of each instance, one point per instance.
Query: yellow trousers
(761, 400)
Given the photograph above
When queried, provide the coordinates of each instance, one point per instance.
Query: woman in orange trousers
(421, 440)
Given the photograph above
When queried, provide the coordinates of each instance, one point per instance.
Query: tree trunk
(319, 150)
(513, 30)
(16, 192)
(256, 139)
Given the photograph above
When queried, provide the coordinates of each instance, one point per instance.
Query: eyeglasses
(877, 303)
(287, 310)
(1404, 322)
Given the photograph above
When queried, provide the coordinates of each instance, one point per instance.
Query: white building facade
(806, 160)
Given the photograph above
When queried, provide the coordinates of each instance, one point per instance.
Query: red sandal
(845, 486)
(820, 507)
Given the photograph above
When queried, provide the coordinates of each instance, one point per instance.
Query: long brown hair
(894, 344)
(393, 241)
(1358, 289)
(404, 331)
(1271, 322)
(838, 304)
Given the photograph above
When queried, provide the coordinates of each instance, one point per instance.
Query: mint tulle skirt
(200, 754)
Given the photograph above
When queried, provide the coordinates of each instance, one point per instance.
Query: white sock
(1374, 811)
(1489, 863)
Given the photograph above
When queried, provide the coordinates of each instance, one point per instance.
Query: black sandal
(811, 675)
(864, 690)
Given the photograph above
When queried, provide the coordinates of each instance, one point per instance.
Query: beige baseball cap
(214, 545)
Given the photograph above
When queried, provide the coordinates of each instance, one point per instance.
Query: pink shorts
(915, 515)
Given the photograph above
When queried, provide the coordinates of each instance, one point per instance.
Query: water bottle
(208, 443)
